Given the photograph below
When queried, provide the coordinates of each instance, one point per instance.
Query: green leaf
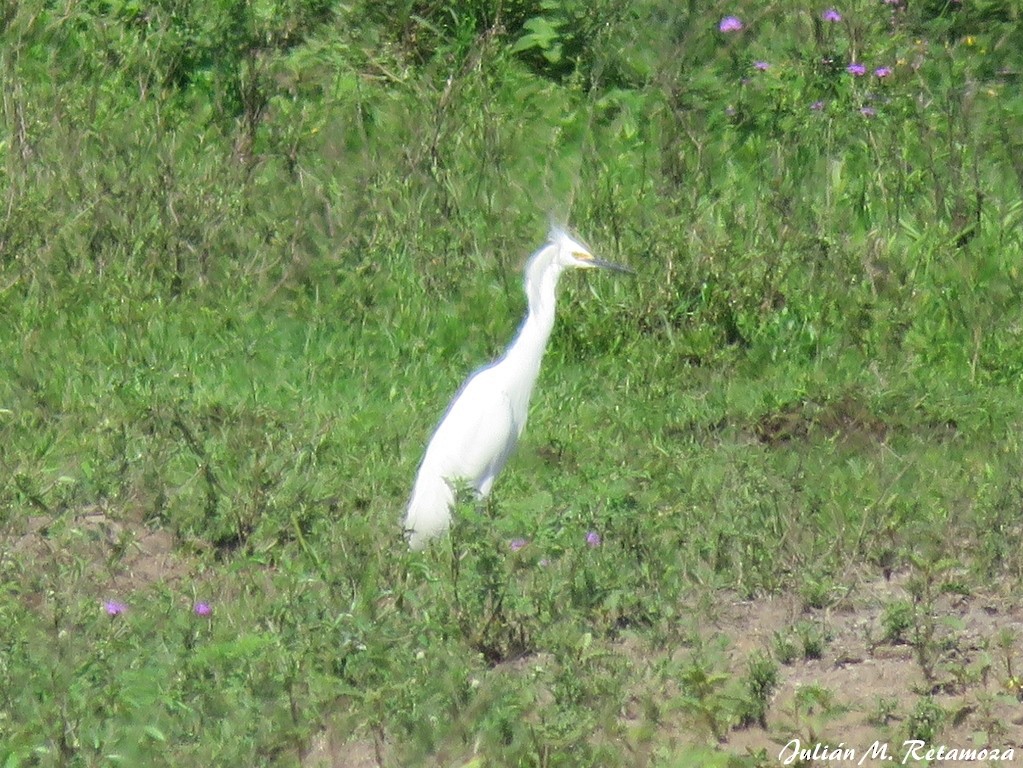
(541, 34)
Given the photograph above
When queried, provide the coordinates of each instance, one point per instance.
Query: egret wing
(477, 434)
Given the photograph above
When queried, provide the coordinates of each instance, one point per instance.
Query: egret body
(485, 419)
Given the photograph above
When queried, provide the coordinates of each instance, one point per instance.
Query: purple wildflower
(831, 15)
(868, 111)
(730, 24)
(203, 609)
(114, 607)
(882, 72)
(856, 69)
(516, 544)
(593, 539)
(817, 106)
(761, 66)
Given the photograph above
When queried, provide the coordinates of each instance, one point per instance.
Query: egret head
(561, 252)
(571, 254)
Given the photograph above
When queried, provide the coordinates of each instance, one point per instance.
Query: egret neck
(522, 359)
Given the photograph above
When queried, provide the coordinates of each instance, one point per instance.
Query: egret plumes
(486, 418)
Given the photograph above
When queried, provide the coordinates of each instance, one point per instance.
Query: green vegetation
(248, 250)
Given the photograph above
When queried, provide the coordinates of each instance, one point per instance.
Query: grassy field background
(249, 250)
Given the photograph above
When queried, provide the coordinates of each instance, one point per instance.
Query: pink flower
(857, 70)
(592, 539)
(831, 15)
(882, 72)
(114, 607)
(516, 544)
(868, 111)
(761, 66)
(203, 609)
(730, 24)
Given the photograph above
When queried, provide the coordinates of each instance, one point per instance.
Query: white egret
(485, 419)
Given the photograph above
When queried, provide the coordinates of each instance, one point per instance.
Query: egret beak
(588, 261)
(612, 266)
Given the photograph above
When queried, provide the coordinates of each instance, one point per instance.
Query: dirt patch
(117, 555)
(867, 688)
(846, 418)
(328, 750)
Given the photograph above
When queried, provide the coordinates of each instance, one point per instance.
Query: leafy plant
(926, 720)
(760, 683)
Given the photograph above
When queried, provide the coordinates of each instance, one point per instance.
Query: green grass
(247, 256)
